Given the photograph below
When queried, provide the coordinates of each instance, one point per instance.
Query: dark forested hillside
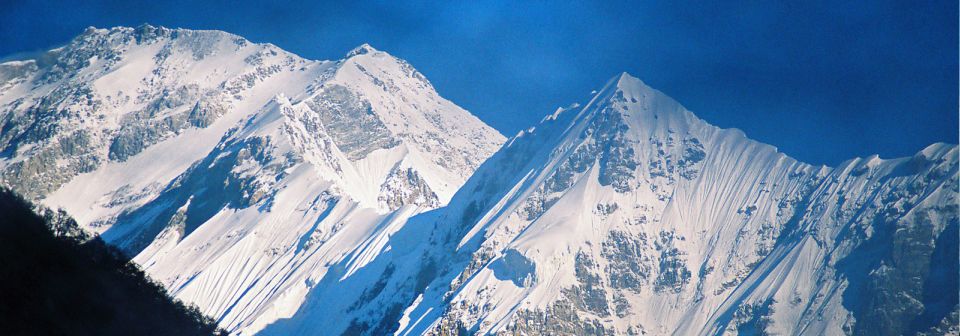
(55, 280)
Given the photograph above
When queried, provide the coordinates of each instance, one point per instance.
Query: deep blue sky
(821, 80)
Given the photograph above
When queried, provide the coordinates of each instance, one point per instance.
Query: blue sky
(823, 81)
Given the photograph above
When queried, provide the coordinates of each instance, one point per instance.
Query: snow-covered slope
(629, 215)
(234, 171)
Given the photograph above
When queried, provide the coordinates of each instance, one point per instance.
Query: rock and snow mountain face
(123, 98)
(629, 215)
(234, 172)
(288, 196)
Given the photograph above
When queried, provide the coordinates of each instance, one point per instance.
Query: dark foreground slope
(56, 281)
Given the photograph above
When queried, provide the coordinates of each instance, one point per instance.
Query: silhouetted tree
(57, 280)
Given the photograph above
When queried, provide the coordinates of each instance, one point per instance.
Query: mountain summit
(362, 49)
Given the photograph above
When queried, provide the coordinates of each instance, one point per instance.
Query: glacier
(289, 196)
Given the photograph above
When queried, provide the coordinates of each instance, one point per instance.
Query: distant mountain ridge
(288, 196)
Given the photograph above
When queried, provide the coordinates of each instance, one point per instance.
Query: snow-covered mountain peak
(102, 125)
(630, 215)
(404, 106)
(364, 60)
(132, 88)
(627, 82)
(362, 49)
(179, 144)
(117, 37)
(626, 105)
(645, 106)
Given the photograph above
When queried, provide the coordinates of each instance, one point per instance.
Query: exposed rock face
(351, 122)
(406, 186)
(630, 261)
(109, 94)
(146, 127)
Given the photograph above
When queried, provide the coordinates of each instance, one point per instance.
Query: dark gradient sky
(821, 80)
